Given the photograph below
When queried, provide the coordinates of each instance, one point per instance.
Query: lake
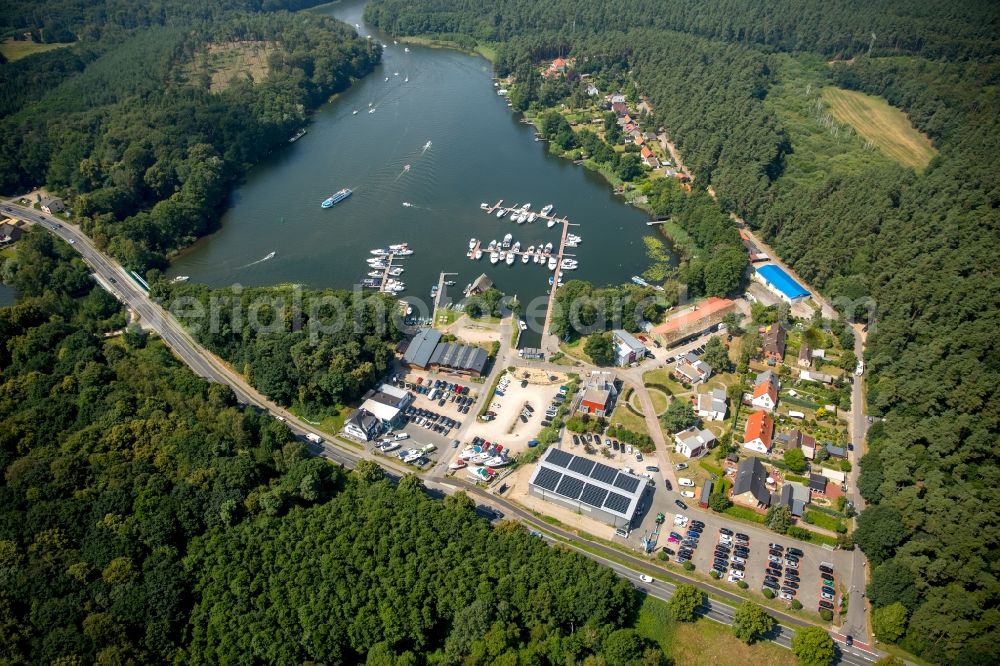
(479, 152)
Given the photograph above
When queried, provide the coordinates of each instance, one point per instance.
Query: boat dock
(439, 293)
(518, 253)
(557, 274)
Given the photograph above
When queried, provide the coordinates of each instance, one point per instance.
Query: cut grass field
(702, 642)
(885, 126)
(15, 50)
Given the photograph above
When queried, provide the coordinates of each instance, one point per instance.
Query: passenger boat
(337, 197)
(546, 209)
(526, 257)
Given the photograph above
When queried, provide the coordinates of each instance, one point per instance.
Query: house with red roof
(765, 393)
(646, 152)
(758, 432)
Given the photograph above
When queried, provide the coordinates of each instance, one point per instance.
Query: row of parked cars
(731, 554)
(782, 581)
(429, 420)
(597, 440)
(688, 542)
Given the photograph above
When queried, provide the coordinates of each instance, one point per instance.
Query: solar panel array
(573, 487)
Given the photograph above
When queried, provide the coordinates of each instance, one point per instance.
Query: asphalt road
(116, 280)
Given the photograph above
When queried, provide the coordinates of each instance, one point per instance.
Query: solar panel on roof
(626, 483)
(593, 495)
(560, 458)
(570, 487)
(603, 473)
(581, 465)
(547, 478)
(617, 503)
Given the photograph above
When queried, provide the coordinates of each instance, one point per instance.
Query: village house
(558, 67)
(479, 285)
(758, 432)
(805, 356)
(693, 443)
(11, 231)
(712, 405)
(774, 343)
(637, 139)
(796, 439)
(765, 392)
(362, 425)
(693, 369)
(598, 394)
(627, 348)
(592, 91)
(750, 485)
(813, 376)
(620, 109)
(817, 484)
(51, 205)
(617, 98)
(793, 496)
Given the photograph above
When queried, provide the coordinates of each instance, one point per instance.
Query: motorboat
(553, 262)
(449, 283)
(387, 79)
(381, 252)
(546, 209)
(539, 255)
(493, 245)
(494, 257)
(551, 222)
(526, 257)
(526, 207)
(521, 217)
(395, 73)
(406, 49)
(354, 112)
(532, 217)
(181, 278)
(502, 256)
(501, 213)
(478, 255)
(484, 206)
(458, 464)
(506, 241)
(480, 458)
(569, 264)
(511, 258)
(472, 243)
(399, 247)
(406, 80)
(516, 247)
(497, 461)
(521, 324)
(548, 249)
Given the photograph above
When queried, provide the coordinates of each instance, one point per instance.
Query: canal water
(478, 152)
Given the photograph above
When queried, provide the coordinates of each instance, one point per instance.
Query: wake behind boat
(339, 196)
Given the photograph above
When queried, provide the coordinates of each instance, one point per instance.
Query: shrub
(826, 614)
(796, 604)
(768, 593)
(742, 584)
(688, 566)
(714, 574)
(663, 557)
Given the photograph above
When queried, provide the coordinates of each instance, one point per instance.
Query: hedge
(798, 479)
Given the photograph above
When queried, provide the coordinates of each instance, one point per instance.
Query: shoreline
(488, 53)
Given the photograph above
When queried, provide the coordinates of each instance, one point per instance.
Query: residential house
(10, 233)
(774, 343)
(793, 496)
(362, 425)
(557, 67)
(637, 138)
(617, 98)
(758, 432)
(649, 136)
(480, 285)
(619, 108)
(598, 394)
(712, 405)
(765, 393)
(693, 443)
(817, 484)
(836, 451)
(627, 348)
(646, 152)
(796, 439)
(750, 485)
(52, 205)
(693, 369)
(592, 91)
(694, 321)
(813, 376)
(805, 356)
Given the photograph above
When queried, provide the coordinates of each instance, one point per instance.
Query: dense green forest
(135, 494)
(143, 141)
(917, 250)
(312, 349)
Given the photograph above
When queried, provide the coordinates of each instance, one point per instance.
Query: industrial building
(589, 487)
(780, 283)
(426, 351)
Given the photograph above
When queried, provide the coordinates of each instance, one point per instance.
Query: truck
(313, 437)
(429, 448)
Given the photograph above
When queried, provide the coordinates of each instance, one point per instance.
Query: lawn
(15, 50)
(624, 417)
(446, 317)
(702, 642)
(885, 126)
(661, 377)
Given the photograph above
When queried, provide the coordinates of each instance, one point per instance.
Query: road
(121, 285)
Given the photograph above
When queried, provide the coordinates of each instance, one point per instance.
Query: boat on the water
(532, 217)
(181, 278)
(494, 257)
(478, 255)
(551, 222)
(472, 243)
(528, 254)
(298, 135)
(354, 112)
(553, 262)
(449, 283)
(639, 281)
(371, 110)
(548, 249)
(511, 257)
(501, 213)
(407, 204)
(569, 264)
(546, 209)
(503, 256)
(522, 217)
(493, 245)
(484, 206)
(506, 241)
(406, 80)
(522, 325)
(406, 49)
(337, 197)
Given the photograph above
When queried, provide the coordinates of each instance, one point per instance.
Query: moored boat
(506, 241)
(546, 209)
(553, 262)
(494, 257)
(526, 257)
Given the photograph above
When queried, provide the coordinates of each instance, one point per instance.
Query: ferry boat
(546, 209)
(528, 254)
(506, 241)
(339, 196)
(298, 135)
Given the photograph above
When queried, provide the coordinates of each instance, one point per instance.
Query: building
(765, 393)
(617, 98)
(52, 205)
(755, 253)
(597, 397)
(780, 283)
(693, 443)
(426, 351)
(692, 323)
(712, 405)
(638, 140)
(479, 285)
(813, 376)
(706, 494)
(588, 487)
(817, 484)
(805, 356)
(793, 496)
(750, 485)
(387, 403)
(592, 91)
(619, 108)
(836, 451)
(628, 349)
(774, 343)
(421, 347)
(10, 233)
(693, 369)
(758, 432)
(796, 439)
(363, 425)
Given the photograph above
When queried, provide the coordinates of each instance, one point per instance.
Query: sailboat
(406, 80)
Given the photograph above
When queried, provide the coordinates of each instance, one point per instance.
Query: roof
(481, 284)
(706, 491)
(766, 388)
(759, 426)
(380, 410)
(394, 391)
(817, 482)
(689, 320)
(459, 357)
(596, 396)
(805, 353)
(590, 482)
(774, 339)
(791, 497)
(363, 419)
(646, 152)
(421, 347)
(714, 400)
(600, 379)
(10, 231)
(692, 438)
(629, 340)
(751, 477)
(838, 451)
(766, 376)
(781, 281)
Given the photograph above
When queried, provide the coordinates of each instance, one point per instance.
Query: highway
(120, 284)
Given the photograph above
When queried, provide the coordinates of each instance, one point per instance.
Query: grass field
(15, 50)
(887, 127)
(703, 642)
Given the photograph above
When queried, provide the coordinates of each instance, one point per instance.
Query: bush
(768, 593)
(688, 566)
(742, 584)
(714, 574)
(796, 604)
(826, 614)
(745, 514)
(663, 557)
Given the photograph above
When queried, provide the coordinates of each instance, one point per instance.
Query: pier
(439, 294)
(557, 274)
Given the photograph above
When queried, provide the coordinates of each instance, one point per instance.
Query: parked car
(652, 468)
(669, 485)
(796, 552)
(726, 531)
(681, 504)
(684, 481)
(826, 604)
(825, 569)
(687, 493)
(680, 466)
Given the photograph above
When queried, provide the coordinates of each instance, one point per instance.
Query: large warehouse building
(426, 351)
(587, 486)
(780, 283)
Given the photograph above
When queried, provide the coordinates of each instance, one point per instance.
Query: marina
(384, 273)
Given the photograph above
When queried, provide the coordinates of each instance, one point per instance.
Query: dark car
(687, 543)
(792, 584)
(791, 578)
(576, 440)
(681, 504)
(825, 604)
(742, 537)
(614, 445)
(776, 553)
(524, 419)
(825, 569)
(829, 590)
(792, 572)
(726, 531)
(775, 546)
(773, 572)
(788, 590)
(771, 579)
(667, 550)
(669, 485)
(771, 584)
(796, 552)
(698, 524)
(849, 640)
(791, 558)
(738, 566)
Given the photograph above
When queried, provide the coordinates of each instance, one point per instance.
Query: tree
(892, 582)
(716, 354)
(623, 647)
(600, 347)
(848, 361)
(880, 531)
(812, 646)
(795, 459)
(889, 622)
(751, 622)
(679, 415)
(629, 167)
(685, 602)
(779, 519)
(890, 660)
(719, 502)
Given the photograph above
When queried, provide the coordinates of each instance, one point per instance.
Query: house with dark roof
(10, 233)
(793, 496)
(363, 425)
(460, 359)
(422, 345)
(805, 356)
(693, 369)
(619, 108)
(750, 485)
(817, 484)
(479, 285)
(52, 205)
(774, 343)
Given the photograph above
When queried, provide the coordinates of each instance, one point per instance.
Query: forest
(915, 250)
(145, 149)
(134, 494)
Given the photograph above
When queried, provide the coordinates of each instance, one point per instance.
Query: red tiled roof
(759, 426)
(768, 388)
(705, 309)
(646, 152)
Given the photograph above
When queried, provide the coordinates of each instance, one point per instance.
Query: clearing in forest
(885, 126)
(16, 49)
(221, 63)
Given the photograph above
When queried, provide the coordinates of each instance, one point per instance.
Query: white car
(628, 449)
(680, 520)
(736, 574)
(739, 560)
(390, 446)
(687, 493)
(725, 540)
(785, 596)
(860, 369)
(401, 436)
(732, 577)
(645, 579)
(686, 482)
(680, 466)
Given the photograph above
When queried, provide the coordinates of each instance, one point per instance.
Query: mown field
(15, 50)
(887, 127)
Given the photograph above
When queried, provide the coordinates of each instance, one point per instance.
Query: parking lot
(519, 409)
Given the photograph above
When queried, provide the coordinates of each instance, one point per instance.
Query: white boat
(521, 324)
(503, 256)
(532, 217)
(522, 217)
(427, 146)
(551, 223)
(484, 206)
(494, 257)
(377, 274)
(354, 113)
(548, 249)
(371, 110)
(403, 253)
(449, 283)
(181, 278)
(406, 48)
(506, 241)
(493, 245)
(526, 207)
(478, 255)
(546, 209)
(472, 243)
(380, 252)
(501, 213)
(574, 238)
(412, 457)
(479, 458)
(458, 464)
(569, 265)
(396, 270)
(396, 247)
(407, 204)
(526, 257)
(388, 447)
(553, 262)
(387, 79)
(511, 258)
(516, 247)
(496, 461)
(395, 73)
(538, 255)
